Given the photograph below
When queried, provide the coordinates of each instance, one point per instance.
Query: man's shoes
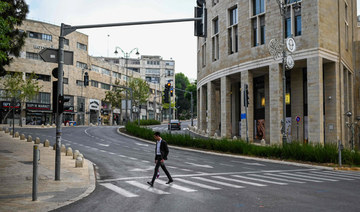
(151, 184)
(170, 181)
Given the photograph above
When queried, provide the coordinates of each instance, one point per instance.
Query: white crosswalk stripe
(239, 181)
(275, 178)
(344, 173)
(147, 187)
(217, 182)
(306, 176)
(316, 174)
(175, 186)
(118, 190)
(260, 180)
(197, 184)
(339, 175)
(294, 178)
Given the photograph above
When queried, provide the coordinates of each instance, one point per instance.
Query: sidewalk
(16, 171)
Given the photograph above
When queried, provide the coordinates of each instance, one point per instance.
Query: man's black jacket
(164, 150)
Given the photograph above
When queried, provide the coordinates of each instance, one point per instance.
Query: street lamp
(126, 56)
(351, 126)
(287, 61)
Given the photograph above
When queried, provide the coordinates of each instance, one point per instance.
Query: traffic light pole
(192, 104)
(169, 110)
(246, 103)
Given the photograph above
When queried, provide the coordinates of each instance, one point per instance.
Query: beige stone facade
(86, 102)
(321, 87)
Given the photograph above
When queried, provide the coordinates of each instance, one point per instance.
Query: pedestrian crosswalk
(222, 181)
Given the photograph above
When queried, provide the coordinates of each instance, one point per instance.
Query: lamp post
(287, 61)
(351, 126)
(126, 55)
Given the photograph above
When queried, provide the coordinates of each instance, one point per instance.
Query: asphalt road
(202, 182)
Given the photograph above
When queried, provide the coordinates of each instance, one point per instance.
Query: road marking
(144, 161)
(197, 184)
(217, 182)
(176, 186)
(118, 190)
(275, 178)
(136, 149)
(260, 180)
(141, 170)
(238, 181)
(344, 173)
(100, 144)
(187, 170)
(306, 176)
(223, 164)
(327, 176)
(141, 144)
(102, 150)
(340, 175)
(294, 178)
(111, 153)
(199, 165)
(123, 156)
(132, 158)
(146, 187)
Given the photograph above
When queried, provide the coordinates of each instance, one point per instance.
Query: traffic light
(171, 91)
(86, 79)
(200, 25)
(62, 100)
(54, 96)
(246, 98)
(166, 93)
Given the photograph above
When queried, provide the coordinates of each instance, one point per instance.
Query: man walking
(161, 152)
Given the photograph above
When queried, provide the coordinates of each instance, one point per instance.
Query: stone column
(235, 109)
(297, 104)
(198, 108)
(315, 100)
(267, 108)
(225, 107)
(247, 78)
(202, 121)
(276, 103)
(332, 102)
(212, 123)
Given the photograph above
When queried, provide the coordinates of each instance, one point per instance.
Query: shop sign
(116, 110)
(37, 106)
(71, 109)
(94, 104)
(7, 104)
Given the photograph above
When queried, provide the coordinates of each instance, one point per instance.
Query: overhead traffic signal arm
(200, 25)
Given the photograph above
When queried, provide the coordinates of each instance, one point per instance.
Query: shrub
(292, 151)
(147, 122)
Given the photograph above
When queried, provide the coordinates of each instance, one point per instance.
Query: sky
(171, 40)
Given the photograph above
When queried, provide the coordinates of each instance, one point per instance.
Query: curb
(233, 156)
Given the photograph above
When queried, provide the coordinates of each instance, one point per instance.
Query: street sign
(51, 56)
(297, 119)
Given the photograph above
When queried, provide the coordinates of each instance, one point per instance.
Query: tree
(182, 82)
(13, 12)
(192, 88)
(21, 89)
(140, 89)
(115, 96)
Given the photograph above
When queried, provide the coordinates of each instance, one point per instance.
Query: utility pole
(169, 109)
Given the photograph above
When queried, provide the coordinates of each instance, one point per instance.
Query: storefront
(6, 115)
(94, 107)
(105, 113)
(116, 117)
(38, 113)
(68, 114)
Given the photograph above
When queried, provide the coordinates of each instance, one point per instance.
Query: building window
(346, 28)
(134, 69)
(169, 72)
(42, 77)
(40, 36)
(153, 79)
(81, 65)
(81, 46)
(293, 20)
(152, 71)
(105, 86)
(233, 31)
(33, 56)
(262, 30)
(151, 62)
(258, 7)
(66, 80)
(116, 75)
(105, 71)
(79, 83)
(203, 55)
(41, 97)
(95, 68)
(94, 83)
(66, 41)
(215, 39)
(169, 63)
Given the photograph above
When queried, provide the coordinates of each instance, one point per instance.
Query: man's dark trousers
(159, 163)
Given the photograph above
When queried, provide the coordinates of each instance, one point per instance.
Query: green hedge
(292, 151)
(148, 122)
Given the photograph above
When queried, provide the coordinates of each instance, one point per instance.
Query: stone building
(86, 105)
(320, 88)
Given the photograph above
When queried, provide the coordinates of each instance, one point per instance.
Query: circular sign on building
(289, 62)
(297, 119)
(290, 44)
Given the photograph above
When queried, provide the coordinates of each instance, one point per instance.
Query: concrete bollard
(46, 143)
(17, 135)
(7, 130)
(75, 154)
(11, 132)
(1, 129)
(263, 143)
(83, 159)
(48, 125)
(42, 126)
(37, 140)
(22, 137)
(53, 125)
(235, 138)
(69, 152)
(29, 138)
(216, 135)
(63, 148)
(79, 162)
(54, 146)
